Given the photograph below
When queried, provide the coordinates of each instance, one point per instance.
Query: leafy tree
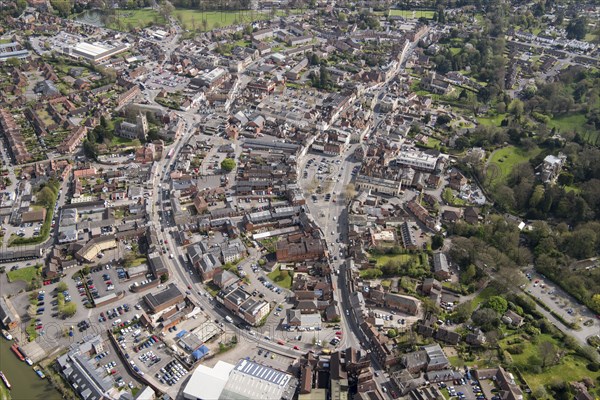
(486, 318)
(577, 28)
(548, 353)
(392, 333)
(497, 303)
(61, 287)
(164, 278)
(443, 120)
(595, 302)
(437, 241)
(228, 165)
(69, 310)
(463, 311)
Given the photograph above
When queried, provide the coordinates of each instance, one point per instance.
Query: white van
(228, 319)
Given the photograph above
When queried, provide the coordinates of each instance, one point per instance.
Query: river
(26, 385)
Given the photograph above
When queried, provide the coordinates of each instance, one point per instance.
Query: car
(296, 348)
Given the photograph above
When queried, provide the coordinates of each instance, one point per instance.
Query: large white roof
(91, 49)
(208, 383)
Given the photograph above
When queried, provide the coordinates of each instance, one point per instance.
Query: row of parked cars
(147, 344)
(269, 285)
(171, 373)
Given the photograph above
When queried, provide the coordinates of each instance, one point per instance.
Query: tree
(228, 165)
(165, 10)
(69, 310)
(46, 197)
(61, 287)
(463, 311)
(486, 318)
(323, 77)
(497, 303)
(443, 120)
(392, 333)
(548, 353)
(595, 303)
(164, 278)
(437, 241)
(577, 28)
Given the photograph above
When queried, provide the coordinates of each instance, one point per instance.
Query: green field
(483, 295)
(568, 123)
(192, 19)
(402, 258)
(284, 282)
(494, 120)
(412, 14)
(575, 123)
(571, 368)
(503, 160)
(23, 274)
(126, 19)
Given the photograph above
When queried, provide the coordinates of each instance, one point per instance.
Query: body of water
(92, 17)
(26, 385)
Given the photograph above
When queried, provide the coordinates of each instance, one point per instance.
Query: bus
(171, 153)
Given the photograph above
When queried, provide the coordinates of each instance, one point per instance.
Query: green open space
(483, 295)
(412, 13)
(192, 19)
(23, 274)
(125, 19)
(503, 160)
(492, 120)
(383, 259)
(566, 123)
(281, 278)
(570, 368)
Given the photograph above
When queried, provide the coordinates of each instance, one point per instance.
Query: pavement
(564, 305)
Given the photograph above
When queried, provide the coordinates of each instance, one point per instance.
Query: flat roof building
(164, 299)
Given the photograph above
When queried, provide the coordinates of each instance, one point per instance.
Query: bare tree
(548, 353)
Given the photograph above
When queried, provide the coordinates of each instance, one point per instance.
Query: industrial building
(95, 52)
(245, 380)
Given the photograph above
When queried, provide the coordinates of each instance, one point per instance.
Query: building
(94, 247)
(8, 315)
(441, 269)
(418, 160)
(79, 368)
(246, 380)
(552, 166)
(208, 383)
(304, 249)
(406, 304)
(243, 304)
(390, 187)
(164, 299)
(131, 131)
(95, 52)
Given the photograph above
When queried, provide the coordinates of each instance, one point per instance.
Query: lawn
(568, 122)
(503, 160)
(125, 19)
(402, 258)
(192, 19)
(282, 281)
(483, 295)
(412, 13)
(23, 274)
(494, 120)
(571, 368)
(575, 123)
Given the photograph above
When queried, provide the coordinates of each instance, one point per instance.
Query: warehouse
(96, 52)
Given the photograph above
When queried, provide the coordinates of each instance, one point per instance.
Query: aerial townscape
(299, 200)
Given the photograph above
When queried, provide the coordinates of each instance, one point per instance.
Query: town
(290, 200)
